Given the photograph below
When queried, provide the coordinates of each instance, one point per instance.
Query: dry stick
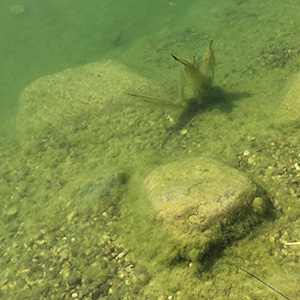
(154, 99)
(232, 264)
(291, 244)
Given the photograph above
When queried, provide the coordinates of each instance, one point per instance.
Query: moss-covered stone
(290, 108)
(85, 97)
(202, 203)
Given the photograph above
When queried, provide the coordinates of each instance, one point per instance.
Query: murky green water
(74, 222)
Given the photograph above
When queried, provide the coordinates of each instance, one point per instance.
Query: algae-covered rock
(104, 191)
(202, 203)
(93, 95)
(290, 108)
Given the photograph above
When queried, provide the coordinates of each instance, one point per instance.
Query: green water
(54, 245)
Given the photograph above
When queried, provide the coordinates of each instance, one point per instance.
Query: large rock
(88, 112)
(201, 203)
(290, 108)
(93, 95)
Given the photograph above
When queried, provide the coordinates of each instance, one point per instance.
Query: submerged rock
(290, 108)
(88, 109)
(202, 203)
(100, 193)
(105, 189)
(91, 96)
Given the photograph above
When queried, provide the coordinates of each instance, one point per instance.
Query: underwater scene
(150, 150)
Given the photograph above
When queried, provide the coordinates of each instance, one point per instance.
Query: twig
(291, 244)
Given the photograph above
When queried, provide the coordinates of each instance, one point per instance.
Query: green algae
(201, 81)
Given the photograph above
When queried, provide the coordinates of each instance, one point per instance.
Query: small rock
(246, 153)
(259, 206)
(128, 269)
(71, 216)
(64, 254)
(290, 108)
(183, 132)
(251, 161)
(127, 282)
(12, 211)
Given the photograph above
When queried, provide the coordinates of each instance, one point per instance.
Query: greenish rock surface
(88, 110)
(202, 203)
(290, 107)
(102, 191)
(90, 96)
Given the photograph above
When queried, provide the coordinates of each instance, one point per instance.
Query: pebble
(272, 242)
(120, 255)
(64, 254)
(292, 191)
(71, 216)
(12, 211)
(127, 282)
(183, 132)
(128, 269)
(246, 153)
(40, 242)
(251, 161)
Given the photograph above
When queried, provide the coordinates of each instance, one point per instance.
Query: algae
(192, 78)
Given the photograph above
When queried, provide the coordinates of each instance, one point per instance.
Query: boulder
(92, 96)
(290, 108)
(203, 203)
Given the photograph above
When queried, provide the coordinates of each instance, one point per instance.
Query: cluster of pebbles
(274, 162)
(277, 164)
(59, 263)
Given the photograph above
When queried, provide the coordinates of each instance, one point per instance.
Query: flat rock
(203, 202)
(93, 95)
(104, 190)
